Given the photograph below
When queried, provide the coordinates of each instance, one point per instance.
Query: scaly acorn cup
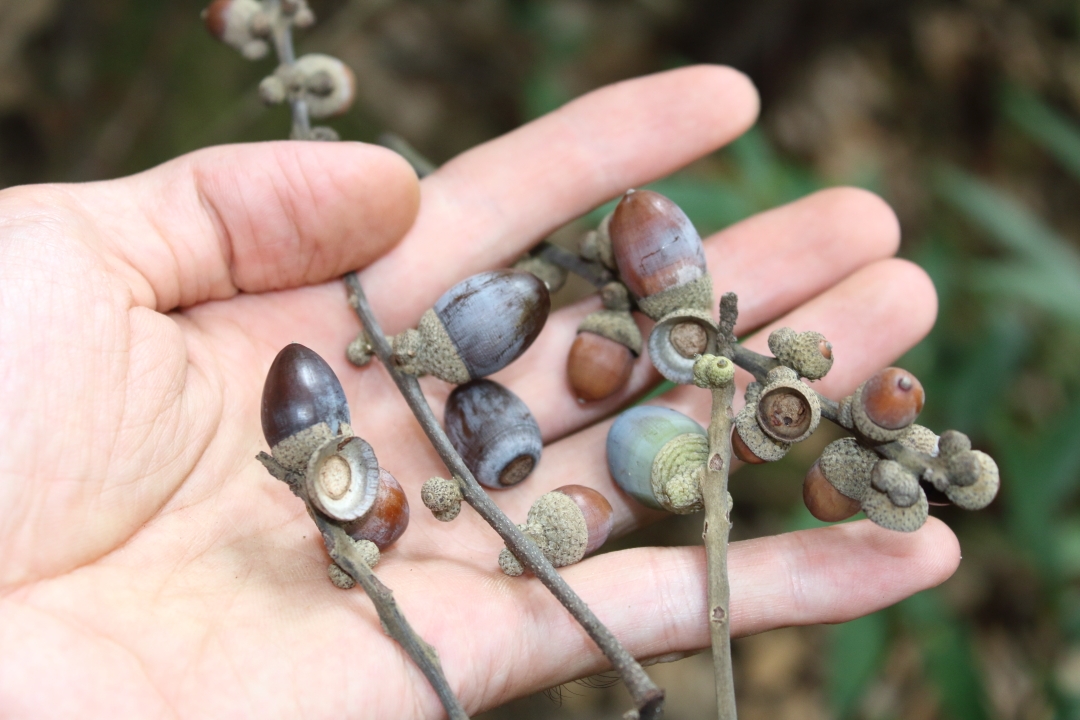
(787, 411)
(476, 328)
(494, 431)
(602, 356)
(808, 353)
(657, 456)
(749, 442)
(567, 524)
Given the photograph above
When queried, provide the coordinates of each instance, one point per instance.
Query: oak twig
(594, 273)
(648, 698)
(343, 551)
(283, 46)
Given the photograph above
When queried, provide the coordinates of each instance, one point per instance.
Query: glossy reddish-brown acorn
(388, 517)
(893, 398)
(656, 247)
(825, 502)
(742, 450)
(599, 517)
(597, 366)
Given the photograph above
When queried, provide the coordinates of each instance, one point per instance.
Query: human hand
(150, 567)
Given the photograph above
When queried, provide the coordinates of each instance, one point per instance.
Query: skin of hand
(149, 566)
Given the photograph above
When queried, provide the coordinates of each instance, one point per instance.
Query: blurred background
(964, 115)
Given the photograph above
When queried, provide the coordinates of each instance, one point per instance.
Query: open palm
(149, 566)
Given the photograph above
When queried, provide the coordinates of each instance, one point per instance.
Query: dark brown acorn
(824, 501)
(567, 524)
(301, 395)
(388, 517)
(659, 254)
(494, 431)
(597, 367)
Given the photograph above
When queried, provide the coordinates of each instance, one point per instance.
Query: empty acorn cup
(657, 456)
(494, 431)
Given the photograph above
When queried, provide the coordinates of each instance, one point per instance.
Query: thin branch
(595, 273)
(714, 493)
(647, 697)
(420, 164)
(283, 46)
(343, 551)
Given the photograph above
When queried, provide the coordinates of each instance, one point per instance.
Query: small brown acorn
(567, 523)
(597, 367)
(886, 404)
(824, 501)
(388, 517)
(742, 450)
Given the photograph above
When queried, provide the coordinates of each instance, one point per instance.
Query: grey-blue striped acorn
(496, 434)
(477, 327)
(657, 456)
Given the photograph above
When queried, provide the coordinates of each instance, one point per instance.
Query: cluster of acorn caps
(890, 468)
(325, 85)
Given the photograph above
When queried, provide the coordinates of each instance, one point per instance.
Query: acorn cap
(442, 497)
(329, 85)
(893, 479)
(808, 353)
(787, 411)
(883, 512)
(677, 339)
(342, 478)
(755, 439)
(618, 326)
(847, 466)
(983, 491)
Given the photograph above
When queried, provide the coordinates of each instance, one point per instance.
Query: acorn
(824, 501)
(388, 517)
(602, 356)
(567, 524)
(659, 255)
(240, 24)
(323, 82)
(305, 419)
(808, 353)
(476, 328)
(494, 431)
(658, 456)
(888, 403)
(303, 406)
